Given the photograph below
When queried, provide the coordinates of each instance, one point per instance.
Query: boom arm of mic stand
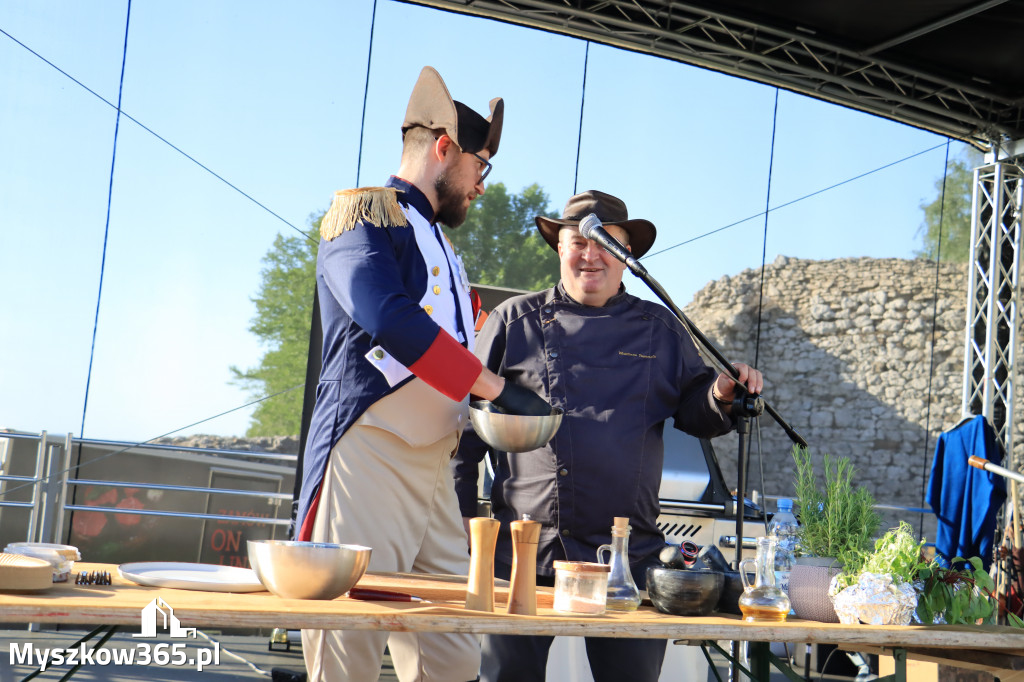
(711, 348)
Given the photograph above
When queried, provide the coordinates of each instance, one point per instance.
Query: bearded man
(397, 370)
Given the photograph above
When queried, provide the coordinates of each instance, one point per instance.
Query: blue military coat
(394, 303)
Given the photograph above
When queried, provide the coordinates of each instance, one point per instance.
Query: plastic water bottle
(783, 526)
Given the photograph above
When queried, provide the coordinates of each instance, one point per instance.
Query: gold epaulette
(375, 205)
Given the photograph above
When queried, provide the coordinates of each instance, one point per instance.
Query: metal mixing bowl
(510, 432)
(307, 570)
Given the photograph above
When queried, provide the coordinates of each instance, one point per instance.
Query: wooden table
(121, 604)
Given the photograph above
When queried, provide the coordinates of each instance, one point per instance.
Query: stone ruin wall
(846, 347)
(279, 445)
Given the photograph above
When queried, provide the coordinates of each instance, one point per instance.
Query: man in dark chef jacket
(397, 370)
(619, 367)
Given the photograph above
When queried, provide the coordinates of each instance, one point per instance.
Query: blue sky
(269, 96)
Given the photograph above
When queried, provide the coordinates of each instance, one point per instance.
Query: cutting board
(20, 573)
(444, 588)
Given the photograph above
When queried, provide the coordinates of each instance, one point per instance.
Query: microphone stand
(744, 406)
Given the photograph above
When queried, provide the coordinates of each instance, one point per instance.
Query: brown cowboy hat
(609, 210)
(430, 106)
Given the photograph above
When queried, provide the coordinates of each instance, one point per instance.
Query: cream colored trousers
(388, 486)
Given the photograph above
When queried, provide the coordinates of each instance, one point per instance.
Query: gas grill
(696, 504)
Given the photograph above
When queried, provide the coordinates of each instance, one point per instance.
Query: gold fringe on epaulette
(375, 205)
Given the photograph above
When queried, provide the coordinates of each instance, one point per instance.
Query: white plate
(185, 576)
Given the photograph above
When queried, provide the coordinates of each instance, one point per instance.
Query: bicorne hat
(430, 106)
(609, 210)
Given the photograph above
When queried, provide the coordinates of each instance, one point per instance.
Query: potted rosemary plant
(838, 524)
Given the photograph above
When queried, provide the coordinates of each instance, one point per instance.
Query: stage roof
(953, 67)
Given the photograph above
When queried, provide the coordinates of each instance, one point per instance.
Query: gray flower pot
(808, 588)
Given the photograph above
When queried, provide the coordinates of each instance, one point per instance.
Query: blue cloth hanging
(964, 498)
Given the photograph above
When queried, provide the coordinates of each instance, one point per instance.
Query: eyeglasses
(487, 166)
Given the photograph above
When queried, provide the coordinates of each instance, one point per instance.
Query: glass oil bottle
(763, 600)
(623, 594)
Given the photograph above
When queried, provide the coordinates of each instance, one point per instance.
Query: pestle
(523, 590)
(483, 534)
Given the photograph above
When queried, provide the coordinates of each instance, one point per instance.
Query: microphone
(591, 228)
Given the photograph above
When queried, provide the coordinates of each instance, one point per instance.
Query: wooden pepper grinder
(523, 591)
(483, 535)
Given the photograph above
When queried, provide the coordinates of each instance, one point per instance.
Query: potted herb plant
(957, 594)
(838, 524)
(882, 587)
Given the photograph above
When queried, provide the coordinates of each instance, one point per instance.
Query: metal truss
(855, 76)
(991, 376)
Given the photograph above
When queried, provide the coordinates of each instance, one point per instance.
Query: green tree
(498, 242)
(284, 305)
(954, 213)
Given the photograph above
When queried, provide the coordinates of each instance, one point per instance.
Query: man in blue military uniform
(397, 370)
(619, 367)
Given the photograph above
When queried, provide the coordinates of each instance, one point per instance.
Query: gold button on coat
(437, 289)
(429, 309)
(436, 271)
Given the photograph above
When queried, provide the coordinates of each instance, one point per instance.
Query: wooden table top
(121, 604)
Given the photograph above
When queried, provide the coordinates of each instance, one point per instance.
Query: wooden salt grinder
(523, 590)
(483, 534)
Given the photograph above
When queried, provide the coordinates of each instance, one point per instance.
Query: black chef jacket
(618, 371)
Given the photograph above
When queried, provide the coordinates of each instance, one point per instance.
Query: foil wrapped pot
(875, 600)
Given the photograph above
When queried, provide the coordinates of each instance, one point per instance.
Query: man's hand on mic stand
(726, 389)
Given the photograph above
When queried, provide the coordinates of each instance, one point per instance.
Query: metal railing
(52, 478)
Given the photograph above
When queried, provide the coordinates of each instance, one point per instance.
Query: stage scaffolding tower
(991, 355)
(992, 349)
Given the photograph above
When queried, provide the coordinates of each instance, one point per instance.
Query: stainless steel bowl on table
(307, 570)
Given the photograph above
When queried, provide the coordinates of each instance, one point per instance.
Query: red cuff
(448, 367)
(306, 530)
